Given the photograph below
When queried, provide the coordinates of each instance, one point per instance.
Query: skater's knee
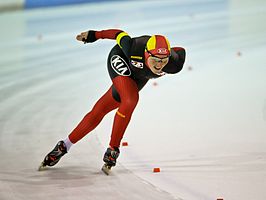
(126, 108)
(130, 102)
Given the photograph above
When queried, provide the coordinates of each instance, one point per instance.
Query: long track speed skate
(54, 156)
(106, 169)
(109, 158)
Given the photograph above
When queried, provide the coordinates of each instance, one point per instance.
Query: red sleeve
(176, 61)
(177, 48)
(107, 34)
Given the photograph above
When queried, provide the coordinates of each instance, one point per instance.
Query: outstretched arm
(122, 38)
(92, 36)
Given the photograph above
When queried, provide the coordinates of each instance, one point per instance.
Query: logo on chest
(137, 64)
(120, 66)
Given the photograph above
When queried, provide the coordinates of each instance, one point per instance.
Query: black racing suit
(127, 59)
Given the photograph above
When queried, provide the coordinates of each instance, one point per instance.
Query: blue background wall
(9, 5)
(47, 3)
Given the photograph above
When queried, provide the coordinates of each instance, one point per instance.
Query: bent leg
(129, 96)
(103, 106)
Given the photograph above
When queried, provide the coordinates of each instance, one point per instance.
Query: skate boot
(109, 158)
(54, 156)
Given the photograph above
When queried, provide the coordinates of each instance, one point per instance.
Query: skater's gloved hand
(87, 37)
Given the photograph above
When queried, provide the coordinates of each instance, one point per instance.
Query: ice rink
(205, 127)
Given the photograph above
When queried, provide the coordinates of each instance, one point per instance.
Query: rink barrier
(49, 3)
(9, 5)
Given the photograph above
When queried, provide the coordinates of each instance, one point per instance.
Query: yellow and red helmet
(158, 45)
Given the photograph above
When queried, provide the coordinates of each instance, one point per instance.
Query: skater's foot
(111, 155)
(55, 155)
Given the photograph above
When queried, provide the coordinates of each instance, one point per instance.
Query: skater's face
(157, 62)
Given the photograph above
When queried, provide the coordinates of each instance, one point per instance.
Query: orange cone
(124, 144)
(156, 170)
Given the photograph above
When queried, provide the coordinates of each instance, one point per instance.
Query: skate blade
(106, 169)
(42, 167)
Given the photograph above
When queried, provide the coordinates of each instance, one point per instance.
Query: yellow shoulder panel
(119, 37)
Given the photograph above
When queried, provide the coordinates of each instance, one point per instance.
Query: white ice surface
(205, 127)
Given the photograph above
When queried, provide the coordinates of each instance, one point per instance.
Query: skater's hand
(86, 37)
(82, 36)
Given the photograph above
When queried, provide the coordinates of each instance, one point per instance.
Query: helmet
(158, 45)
